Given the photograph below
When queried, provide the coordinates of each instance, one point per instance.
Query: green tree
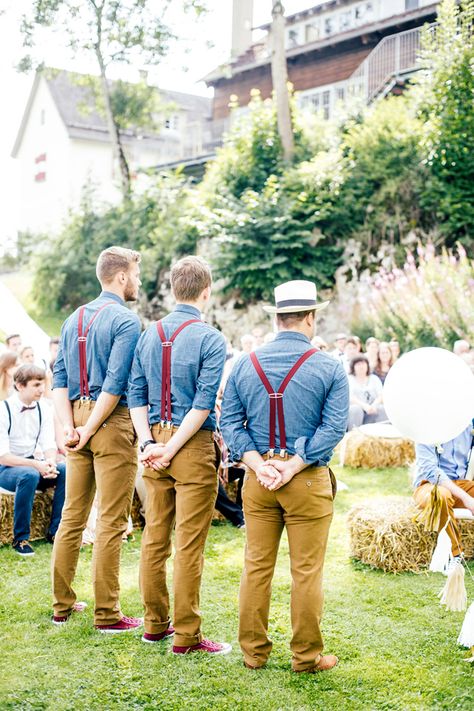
(443, 96)
(113, 31)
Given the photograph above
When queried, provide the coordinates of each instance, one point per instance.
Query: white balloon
(429, 395)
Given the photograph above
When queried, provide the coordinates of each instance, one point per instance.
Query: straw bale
(384, 535)
(362, 450)
(40, 519)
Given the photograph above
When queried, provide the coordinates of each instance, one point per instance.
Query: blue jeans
(24, 481)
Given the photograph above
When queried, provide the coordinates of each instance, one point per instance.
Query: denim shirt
(316, 401)
(453, 460)
(197, 363)
(110, 346)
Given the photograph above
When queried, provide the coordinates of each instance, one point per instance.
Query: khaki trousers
(183, 496)
(449, 502)
(107, 463)
(305, 507)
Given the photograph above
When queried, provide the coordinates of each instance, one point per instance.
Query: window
(329, 26)
(312, 32)
(340, 93)
(326, 104)
(293, 38)
(172, 122)
(345, 21)
(412, 4)
(364, 12)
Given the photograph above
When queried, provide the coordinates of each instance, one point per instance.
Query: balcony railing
(394, 57)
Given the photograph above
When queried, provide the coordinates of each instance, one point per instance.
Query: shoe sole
(202, 651)
(129, 629)
(58, 624)
(156, 641)
(25, 555)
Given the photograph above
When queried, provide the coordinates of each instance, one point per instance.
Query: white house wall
(91, 168)
(42, 201)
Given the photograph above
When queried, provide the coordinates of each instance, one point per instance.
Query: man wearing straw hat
(285, 408)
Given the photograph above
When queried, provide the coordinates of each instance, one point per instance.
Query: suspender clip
(81, 339)
(275, 396)
(271, 452)
(169, 424)
(167, 344)
(282, 452)
(162, 424)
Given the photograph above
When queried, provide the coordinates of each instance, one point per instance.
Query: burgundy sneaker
(61, 619)
(151, 638)
(205, 645)
(126, 624)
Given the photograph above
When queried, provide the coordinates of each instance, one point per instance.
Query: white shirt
(25, 433)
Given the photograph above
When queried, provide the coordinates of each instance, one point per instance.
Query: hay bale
(40, 518)
(466, 528)
(384, 535)
(361, 450)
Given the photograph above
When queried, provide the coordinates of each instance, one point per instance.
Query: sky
(202, 46)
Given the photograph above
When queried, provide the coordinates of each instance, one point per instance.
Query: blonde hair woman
(8, 365)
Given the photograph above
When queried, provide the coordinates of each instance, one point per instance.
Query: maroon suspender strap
(276, 398)
(82, 339)
(167, 344)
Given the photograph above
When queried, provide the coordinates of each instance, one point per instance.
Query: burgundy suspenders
(166, 368)
(276, 399)
(82, 338)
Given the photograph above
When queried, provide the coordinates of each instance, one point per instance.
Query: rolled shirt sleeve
(121, 356)
(210, 374)
(335, 412)
(137, 395)
(232, 423)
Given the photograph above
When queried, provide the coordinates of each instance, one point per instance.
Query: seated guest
(384, 362)
(350, 352)
(27, 355)
(26, 426)
(13, 343)
(449, 469)
(318, 342)
(395, 350)
(339, 343)
(53, 351)
(372, 351)
(8, 365)
(365, 394)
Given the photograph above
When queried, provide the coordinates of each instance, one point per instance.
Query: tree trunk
(280, 79)
(117, 149)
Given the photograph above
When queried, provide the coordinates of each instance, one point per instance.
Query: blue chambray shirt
(197, 363)
(316, 401)
(110, 346)
(453, 460)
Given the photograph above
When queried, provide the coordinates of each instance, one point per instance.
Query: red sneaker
(151, 638)
(61, 619)
(205, 645)
(126, 624)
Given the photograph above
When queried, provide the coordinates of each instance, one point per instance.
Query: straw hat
(294, 296)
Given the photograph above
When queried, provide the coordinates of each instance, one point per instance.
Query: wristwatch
(144, 445)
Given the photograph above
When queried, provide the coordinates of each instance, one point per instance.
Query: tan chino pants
(305, 507)
(107, 463)
(182, 496)
(422, 496)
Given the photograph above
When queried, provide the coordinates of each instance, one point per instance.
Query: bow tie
(33, 407)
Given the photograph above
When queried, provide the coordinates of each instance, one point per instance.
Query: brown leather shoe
(326, 662)
(249, 666)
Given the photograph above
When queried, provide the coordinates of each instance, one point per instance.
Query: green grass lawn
(397, 646)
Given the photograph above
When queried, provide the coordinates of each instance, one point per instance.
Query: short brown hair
(10, 337)
(113, 260)
(295, 317)
(359, 359)
(25, 373)
(189, 277)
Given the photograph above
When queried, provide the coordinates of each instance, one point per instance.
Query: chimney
(242, 22)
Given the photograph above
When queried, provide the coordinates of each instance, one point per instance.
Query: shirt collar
(188, 309)
(17, 403)
(114, 297)
(291, 336)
